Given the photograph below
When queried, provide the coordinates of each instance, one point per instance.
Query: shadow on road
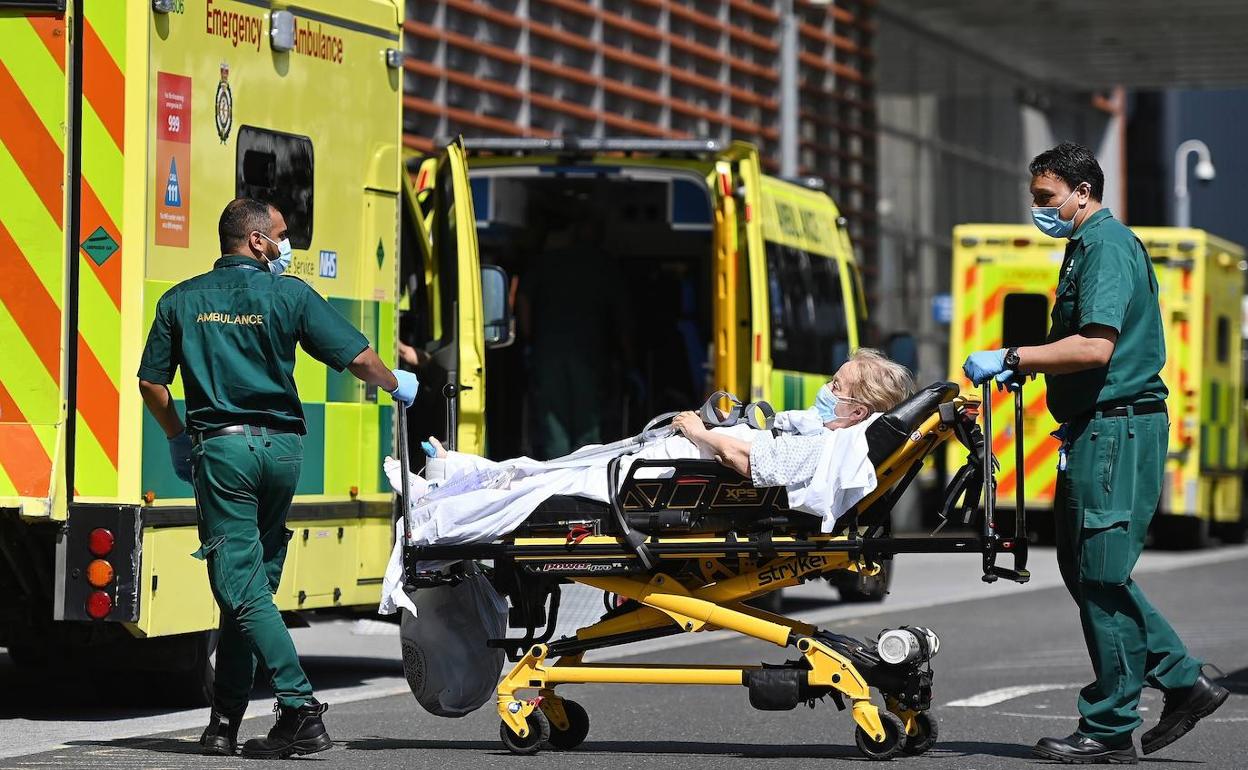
(778, 751)
(64, 692)
(158, 745)
(1236, 681)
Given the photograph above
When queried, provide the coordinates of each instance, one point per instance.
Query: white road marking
(1002, 694)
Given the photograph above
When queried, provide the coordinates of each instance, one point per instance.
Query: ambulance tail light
(100, 573)
(99, 604)
(100, 564)
(1021, 242)
(100, 542)
(725, 184)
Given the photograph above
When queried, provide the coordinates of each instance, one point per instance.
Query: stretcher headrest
(886, 434)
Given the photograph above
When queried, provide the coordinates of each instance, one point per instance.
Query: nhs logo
(329, 264)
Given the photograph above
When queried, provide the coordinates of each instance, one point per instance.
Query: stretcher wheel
(539, 733)
(578, 728)
(925, 738)
(894, 738)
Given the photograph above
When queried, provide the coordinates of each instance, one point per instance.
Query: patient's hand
(691, 426)
(439, 450)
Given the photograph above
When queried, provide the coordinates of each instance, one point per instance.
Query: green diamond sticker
(381, 253)
(99, 246)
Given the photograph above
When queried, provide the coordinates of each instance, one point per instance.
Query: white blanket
(842, 477)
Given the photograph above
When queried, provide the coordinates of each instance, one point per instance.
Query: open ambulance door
(739, 341)
(443, 282)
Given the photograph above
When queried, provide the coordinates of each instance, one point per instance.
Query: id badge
(1062, 450)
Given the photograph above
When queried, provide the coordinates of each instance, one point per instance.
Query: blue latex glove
(985, 365)
(180, 455)
(406, 390)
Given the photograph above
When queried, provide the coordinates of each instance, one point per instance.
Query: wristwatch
(1012, 361)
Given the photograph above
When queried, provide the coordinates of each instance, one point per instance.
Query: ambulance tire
(194, 685)
(1040, 529)
(1233, 532)
(863, 589)
(29, 656)
(770, 602)
(183, 676)
(1179, 533)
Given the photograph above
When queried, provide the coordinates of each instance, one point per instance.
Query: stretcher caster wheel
(539, 733)
(894, 739)
(924, 739)
(578, 728)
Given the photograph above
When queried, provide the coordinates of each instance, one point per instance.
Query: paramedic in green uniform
(1102, 366)
(233, 332)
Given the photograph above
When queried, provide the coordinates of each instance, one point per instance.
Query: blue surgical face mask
(284, 255)
(1049, 219)
(826, 402)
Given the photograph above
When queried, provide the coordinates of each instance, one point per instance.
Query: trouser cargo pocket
(1106, 554)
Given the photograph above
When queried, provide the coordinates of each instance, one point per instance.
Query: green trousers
(566, 387)
(243, 488)
(1105, 501)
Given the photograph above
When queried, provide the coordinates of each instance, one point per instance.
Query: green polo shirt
(1107, 279)
(233, 331)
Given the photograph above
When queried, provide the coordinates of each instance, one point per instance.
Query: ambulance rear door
(738, 278)
(441, 213)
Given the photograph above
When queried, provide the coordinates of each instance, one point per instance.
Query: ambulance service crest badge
(225, 104)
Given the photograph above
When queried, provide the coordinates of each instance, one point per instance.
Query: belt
(1146, 407)
(236, 430)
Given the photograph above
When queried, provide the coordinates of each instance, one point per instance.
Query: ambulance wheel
(578, 728)
(925, 738)
(894, 738)
(539, 733)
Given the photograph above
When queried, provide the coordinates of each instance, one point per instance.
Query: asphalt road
(1010, 665)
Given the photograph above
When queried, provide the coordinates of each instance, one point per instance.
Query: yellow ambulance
(724, 278)
(1004, 277)
(127, 127)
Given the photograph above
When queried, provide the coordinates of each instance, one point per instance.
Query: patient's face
(848, 411)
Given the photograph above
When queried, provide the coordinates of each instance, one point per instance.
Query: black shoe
(1081, 750)
(298, 731)
(1183, 709)
(220, 737)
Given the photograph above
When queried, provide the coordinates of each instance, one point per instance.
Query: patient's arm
(729, 451)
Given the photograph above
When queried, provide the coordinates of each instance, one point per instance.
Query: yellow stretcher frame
(712, 596)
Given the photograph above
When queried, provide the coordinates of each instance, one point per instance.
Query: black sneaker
(1183, 709)
(1079, 749)
(220, 738)
(297, 731)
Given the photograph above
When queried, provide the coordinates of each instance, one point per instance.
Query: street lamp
(790, 48)
(1204, 172)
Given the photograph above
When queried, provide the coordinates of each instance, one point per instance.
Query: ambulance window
(807, 310)
(1024, 320)
(1224, 339)
(277, 168)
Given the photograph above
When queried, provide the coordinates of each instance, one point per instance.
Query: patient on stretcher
(818, 454)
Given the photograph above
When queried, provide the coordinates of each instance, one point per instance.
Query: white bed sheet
(842, 477)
